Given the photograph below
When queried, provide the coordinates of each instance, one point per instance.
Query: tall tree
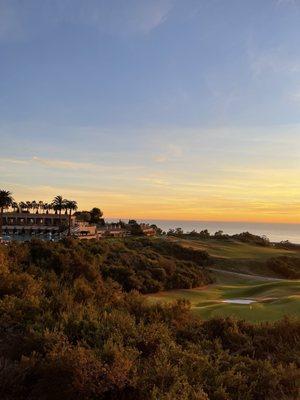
(96, 215)
(41, 206)
(50, 207)
(6, 201)
(58, 205)
(70, 205)
(34, 206)
(14, 206)
(29, 205)
(22, 206)
(46, 208)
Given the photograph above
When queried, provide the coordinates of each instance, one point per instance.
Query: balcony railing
(33, 223)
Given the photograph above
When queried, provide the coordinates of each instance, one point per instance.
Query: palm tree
(28, 205)
(41, 206)
(14, 206)
(6, 201)
(58, 204)
(34, 206)
(70, 205)
(45, 207)
(22, 206)
(49, 207)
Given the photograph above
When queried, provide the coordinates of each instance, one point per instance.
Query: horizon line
(205, 220)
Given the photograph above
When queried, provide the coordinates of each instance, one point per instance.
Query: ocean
(274, 231)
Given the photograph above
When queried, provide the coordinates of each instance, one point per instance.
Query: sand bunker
(239, 301)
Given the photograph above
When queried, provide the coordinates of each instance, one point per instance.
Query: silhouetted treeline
(285, 267)
(68, 334)
(287, 245)
(245, 237)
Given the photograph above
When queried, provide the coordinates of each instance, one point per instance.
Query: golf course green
(268, 297)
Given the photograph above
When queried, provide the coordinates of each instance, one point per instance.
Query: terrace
(20, 221)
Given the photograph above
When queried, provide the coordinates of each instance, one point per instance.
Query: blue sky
(153, 108)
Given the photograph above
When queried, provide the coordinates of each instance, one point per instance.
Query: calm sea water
(275, 232)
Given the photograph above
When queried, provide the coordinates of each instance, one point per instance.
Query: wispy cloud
(295, 97)
(67, 165)
(273, 60)
(13, 161)
(61, 164)
(124, 18)
(171, 153)
(286, 2)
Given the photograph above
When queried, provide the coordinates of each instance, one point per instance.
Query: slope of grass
(274, 299)
(238, 256)
(235, 250)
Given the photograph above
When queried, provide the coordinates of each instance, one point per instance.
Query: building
(83, 230)
(148, 230)
(112, 231)
(115, 230)
(28, 223)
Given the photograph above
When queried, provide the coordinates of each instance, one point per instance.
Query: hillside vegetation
(286, 267)
(69, 332)
(272, 299)
(247, 257)
(135, 263)
(231, 259)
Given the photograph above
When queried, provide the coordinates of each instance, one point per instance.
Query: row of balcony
(31, 222)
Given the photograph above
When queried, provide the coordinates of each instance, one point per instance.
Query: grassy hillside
(233, 249)
(248, 258)
(273, 299)
(68, 333)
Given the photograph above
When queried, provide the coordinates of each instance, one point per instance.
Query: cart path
(242, 275)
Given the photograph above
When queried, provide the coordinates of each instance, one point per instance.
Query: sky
(153, 109)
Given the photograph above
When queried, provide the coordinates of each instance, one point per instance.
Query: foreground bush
(66, 333)
(141, 264)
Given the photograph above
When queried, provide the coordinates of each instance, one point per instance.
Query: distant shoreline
(276, 232)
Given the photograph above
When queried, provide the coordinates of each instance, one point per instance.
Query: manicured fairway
(237, 256)
(235, 250)
(273, 299)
